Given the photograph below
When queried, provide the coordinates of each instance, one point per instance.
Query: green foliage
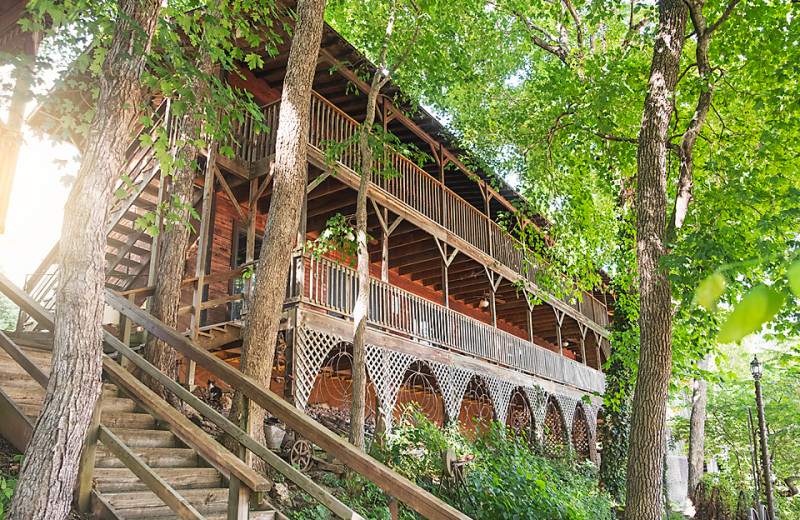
(730, 393)
(7, 486)
(339, 236)
(8, 313)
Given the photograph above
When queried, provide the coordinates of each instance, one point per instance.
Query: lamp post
(757, 369)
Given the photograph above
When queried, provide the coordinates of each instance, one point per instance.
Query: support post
(238, 492)
(385, 248)
(559, 321)
(202, 253)
(530, 317)
(86, 472)
(250, 247)
(583, 342)
(762, 428)
(300, 266)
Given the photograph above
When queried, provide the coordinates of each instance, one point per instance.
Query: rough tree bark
(175, 241)
(644, 497)
(646, 450)
(697, 431)
(48, 474)
(290, 171)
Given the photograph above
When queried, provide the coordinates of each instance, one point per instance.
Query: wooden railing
(333, 286)
(394, 484)
(414, 187)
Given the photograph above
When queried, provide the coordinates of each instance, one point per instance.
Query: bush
(7, 486)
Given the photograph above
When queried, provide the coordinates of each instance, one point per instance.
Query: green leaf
(709, 291)
(793, 275)
(756, 308)
(121, 194)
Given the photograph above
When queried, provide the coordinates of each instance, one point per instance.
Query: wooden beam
(227, 189)
(18, 355)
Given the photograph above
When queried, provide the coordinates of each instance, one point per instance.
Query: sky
(37, 205)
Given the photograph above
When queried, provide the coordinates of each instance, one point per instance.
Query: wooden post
(530, 317)
(202, 253)
(447, 260)
(250, 248)
(583, 342)
(86, 471)
(559, 321)
(238, 492)
(487, 197)
(300, 267)
(127, 326)
(494, 283)
(385, 248)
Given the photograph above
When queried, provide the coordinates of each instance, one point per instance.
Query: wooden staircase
(118, 492)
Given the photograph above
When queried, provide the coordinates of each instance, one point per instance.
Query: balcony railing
(334, 287)
(414, 187)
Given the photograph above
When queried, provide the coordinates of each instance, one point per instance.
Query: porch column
(559, 321)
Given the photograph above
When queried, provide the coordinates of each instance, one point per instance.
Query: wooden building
(450, 328)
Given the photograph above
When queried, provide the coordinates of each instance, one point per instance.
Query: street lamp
(757, 369)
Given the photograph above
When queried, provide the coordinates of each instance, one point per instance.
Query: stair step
(128, 420)
(118, 480)
(153, 457)
(119, 404)
(145, 504)
(146, 438)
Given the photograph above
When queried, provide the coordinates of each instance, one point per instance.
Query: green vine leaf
(709, 291)
(793, 275)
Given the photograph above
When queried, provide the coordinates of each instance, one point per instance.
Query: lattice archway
(581, 437)
(332, 392)
(477, 407)
(520, 420)
(420, 391)
(555, 430)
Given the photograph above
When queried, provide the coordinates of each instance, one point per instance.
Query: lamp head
(756, 368)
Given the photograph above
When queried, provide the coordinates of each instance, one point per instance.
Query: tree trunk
(290, 171)
(361, 308)
(175, 241)
(697, 431)
(644, 499)
(51, 463)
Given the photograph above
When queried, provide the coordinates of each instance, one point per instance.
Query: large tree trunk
(51, 463)
(644, 499)
(697, 431)
(175, 241)
(290, 171)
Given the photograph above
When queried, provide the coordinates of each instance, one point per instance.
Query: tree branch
(576, 19)
(725, 16)
(555, 50)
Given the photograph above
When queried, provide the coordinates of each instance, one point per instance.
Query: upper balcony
(418, 197)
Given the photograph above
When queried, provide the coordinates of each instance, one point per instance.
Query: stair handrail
(290, 472)
(232, 464)
(398, 486)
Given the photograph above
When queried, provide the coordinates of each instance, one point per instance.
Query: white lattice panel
(460, 378)
(501, 394)
(591, 417)
(444, 378)
(311, 350)
(568, 406)
(395, 365)
(538, 401)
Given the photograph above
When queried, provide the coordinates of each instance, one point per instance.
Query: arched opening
(519, 420)
(477, 408)
(332, 393)
(555, 430)
(420, 391)
(581, 438)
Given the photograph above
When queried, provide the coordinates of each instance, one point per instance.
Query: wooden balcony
(419, 197)
(330, 286)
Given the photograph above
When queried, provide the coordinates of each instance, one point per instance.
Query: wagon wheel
(302, 454)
